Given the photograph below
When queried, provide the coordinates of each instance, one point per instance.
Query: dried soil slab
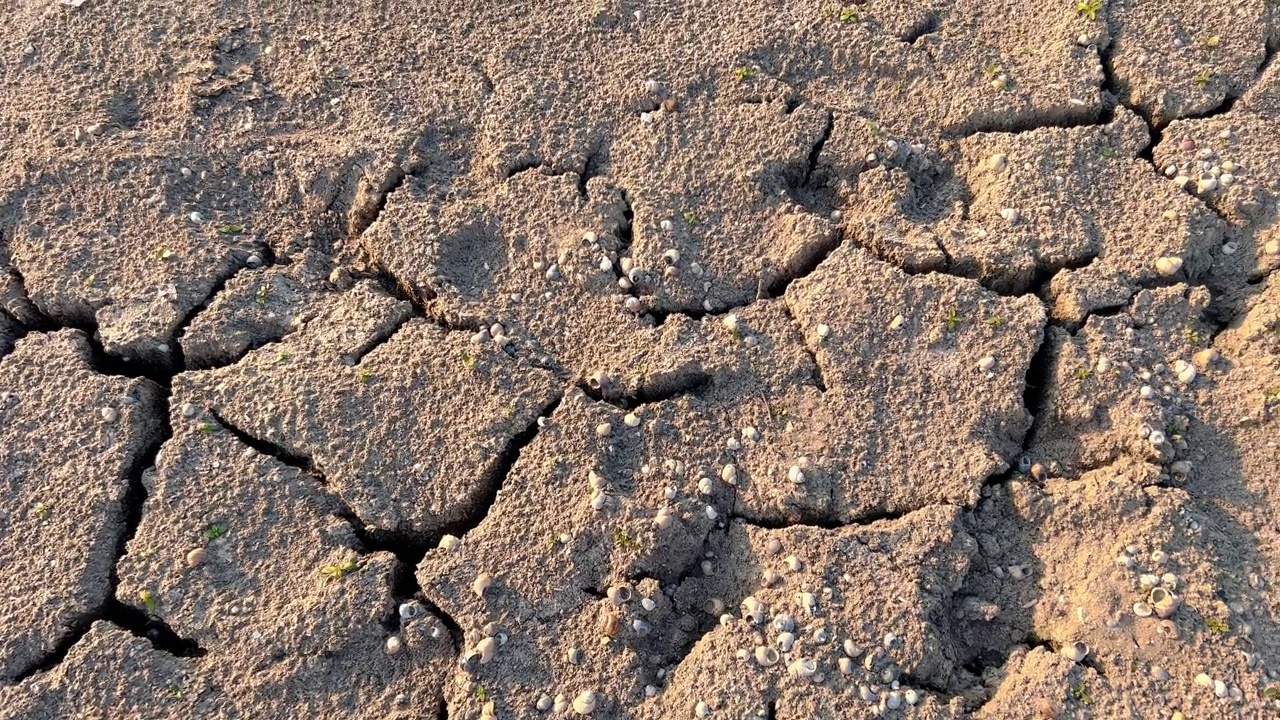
(748, 159)
(65, 479)
(9, 332)
(408, 422)
(529, 255)
(113, 243)
(881, 590)
(896, 346)
(1095, 410)
(1066, 563)
(1012, 209)
(290, 606)
(110, 673)
(254, 308)
(1180, 58)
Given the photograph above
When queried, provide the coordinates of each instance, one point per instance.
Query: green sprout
(1082, 373)
(164, 253)
(624, 541)
(43, 510)
(690, 218)
(848, 15)
(215, 531)
(90, 281)
(1088, 9)
(744, 73)
(953, 319)
(1214, 625)
(263, 289)
(1193, 336)
(363, 375)
(1212, 41)
(148, 599)
(991, 70)
(283, 356)
(1202, 78)
(481, 694)
(995, 320)
(206, 427)
(875, 129)
(1272, 693)
(230, 229)
(468, 360)
(337, 572)
(1108, 153)
(1081, 693)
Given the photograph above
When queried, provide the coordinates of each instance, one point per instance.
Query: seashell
(705, 486)
(1203, 680)
(766, 656)
(795, 475)
(561, 704)
(729, 474)
(585, 703)
(1148, 581)
(641, 627)
(713, 606)
(481, 584)
(912, 696)
(1169, 580)
(785, 641)
(1075, 652)
(408, 611)
(793, 563)
(803, 668)
(711, 512)
(1169, 629)
(774, 546)
(648, 604)
(671, 256)
(1220, 688)
(867, 694)
(1124, 560)
(449, 542)
(486, 648)
(808, 601)
(574, 656)
(610, 621)
(619, 594)
(770, 577)
(394, 645)
(1168, 266)
(851, 648)
(197, 557)
(663, 519)
(1159, 673)
(1142, 609)
(1018, 572)
(987, 363)
(701, 709)
(598, 500)
(783, 622)
(544, 703)
(1164, 602)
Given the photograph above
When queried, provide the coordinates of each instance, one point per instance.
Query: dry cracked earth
(639, 359)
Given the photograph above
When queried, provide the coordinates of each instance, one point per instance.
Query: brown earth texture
(639, 359)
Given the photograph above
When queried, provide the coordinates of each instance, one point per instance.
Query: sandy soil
(640, 360)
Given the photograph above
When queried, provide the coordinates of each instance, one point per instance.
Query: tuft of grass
(624, 541)
(1272, 692)
(1088, 9)
(363, 375)
(953, 319)
(148, 599)
(1081, 693)
(43, 510)
(337, 572)
(283, 356)
(744, 73)
(263, 290)
(1215, 625)
(206, 427)
(1202, 78)
(849, 15)
(481, 694)
(690, 219)
(215, 531)
(1082, 373)
(995, 320)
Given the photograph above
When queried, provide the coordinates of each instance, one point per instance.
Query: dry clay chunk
(1161, 601)
(70, 441)
(110, 673)
(410, 433)
(733, 225)
(541, 259)
(92, 250)
(248, 558)
(1174, 58)
(1119, 387)
(911, 364)
(866, 612)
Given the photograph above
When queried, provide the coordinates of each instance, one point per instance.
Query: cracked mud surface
(897, 358)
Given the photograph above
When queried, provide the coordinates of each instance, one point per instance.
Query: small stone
(196, 217)
(1169, 265)
(109, 414)
(603, 430)
(1208, 184)
(987, 364)
(197, 557)
(823, 331)
(1010, 214)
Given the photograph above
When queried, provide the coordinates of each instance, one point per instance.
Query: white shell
(785, 641)
(803, 667)
(481, 584)
(486, 648)
(394, 645)
(585, 703)
(1169, 265)
(1142, 609)
(1075, 652)
(619, 594)
(766, 656)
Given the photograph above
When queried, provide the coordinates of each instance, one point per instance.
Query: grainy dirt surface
(639, 360)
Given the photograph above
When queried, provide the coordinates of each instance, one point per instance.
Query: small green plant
(215, 531)
(481, 694)
(363, 375)
(263, 290)
(230, 229)
(468, 360)
(90, 281)
(744, 73)
(43, 510)
(1088, 9)
(690, 219)
(206, 427)
(995, 320)
(953, 319)
(849, 15)
(174, 690)
(1215, 625)
(1081, 693)
(1212, 41)
(283, 356)
(337, 572)
(1193, 336)
(164, 253)
(624, 541)
(1082, 373)
(1272, 692)
(1202, 78)
(875, 129)
(148, 599)
(1108, 153)
(991, 70)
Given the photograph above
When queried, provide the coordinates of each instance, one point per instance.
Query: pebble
(1169, 265)
(823, 331)
(394, 645)
(987, 364)
(1208, 184)
(702, 709)
(197, 557)
(603, 430)
(1010, 214)
(196, 217)
(109, 414)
